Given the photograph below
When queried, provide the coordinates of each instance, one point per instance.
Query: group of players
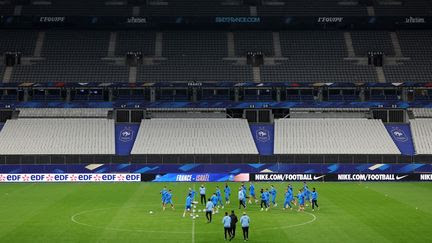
(267, 196)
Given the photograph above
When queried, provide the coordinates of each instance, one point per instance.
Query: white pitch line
(76, 221)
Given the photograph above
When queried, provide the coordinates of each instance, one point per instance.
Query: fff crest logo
(126, 134)
(262, 134)
(398, 134)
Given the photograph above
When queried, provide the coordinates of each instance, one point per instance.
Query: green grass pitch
(349, 212)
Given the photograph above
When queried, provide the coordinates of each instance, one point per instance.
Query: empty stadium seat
(332, 136)
(57, 137)
(422, 133)
(194, 136)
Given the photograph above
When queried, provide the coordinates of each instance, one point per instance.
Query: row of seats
(332, 136)
(66, 136)
(61, 112)
(422, 133)
(308, 56)
(50, 136)
(194, 136)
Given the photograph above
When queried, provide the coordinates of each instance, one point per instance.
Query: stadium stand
(72, 55)
(77, 8)
(143, 41)
(35, 136)
(329, 113)
(195, 8)
(63, 113)
(195, 56)
(416, 46)
(306, 56)
(194, 136)
(421, 112)
(315, 56)
(332, 136)
(18, 41)
(366, 41)
(259, 41)
(405, 8)
(422, 133)
(308, 8)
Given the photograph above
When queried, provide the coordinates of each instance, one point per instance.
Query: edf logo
(126, 134)
(398, 134)
(262, 134)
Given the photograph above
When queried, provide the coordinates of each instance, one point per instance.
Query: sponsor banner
(369, 177)
(195, 177)
(238, 20)
(425, 177)
(373, 177)
(217, 22)
(263, 137)
(286, 177)
(401, 135)
(34, 178)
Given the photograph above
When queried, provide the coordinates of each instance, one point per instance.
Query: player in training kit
(263, 200)
(244, 192)
(288, 199)
(300, 199)
(163, 195)
(267, 196)
(219, 197)
(241, 198)
(214, 200)
(188, 206)
(252, 193)
(202, 192)
(168, 199)
(314, 196)
(209, 210)
(192, 192)
(273, 194)
(245, 221)
(226, 221)
(306, 193)
(227, 191)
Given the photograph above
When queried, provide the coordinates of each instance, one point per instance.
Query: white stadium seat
(332, 136)
(194, 136)
(422, 135)
(63, 112)
(57, 136)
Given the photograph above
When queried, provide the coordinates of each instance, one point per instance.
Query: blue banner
(203, 177)
(263, 137)
(401, 135)
(125, 135)
(227, 169)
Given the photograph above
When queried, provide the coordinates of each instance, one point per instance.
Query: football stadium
(205, 121)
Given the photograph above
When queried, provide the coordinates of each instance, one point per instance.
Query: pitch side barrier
(219, 22)
(213, 159)
(215, 173)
